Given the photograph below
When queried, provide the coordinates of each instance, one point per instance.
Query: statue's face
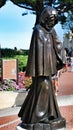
(49, 17)
(51, 20)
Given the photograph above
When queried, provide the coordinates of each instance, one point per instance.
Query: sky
(15, 29)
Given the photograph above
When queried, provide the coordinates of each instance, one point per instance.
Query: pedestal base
(54, 125)
(20, 128)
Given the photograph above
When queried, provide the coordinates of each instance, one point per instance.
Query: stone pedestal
(54, 125)
(20, 128)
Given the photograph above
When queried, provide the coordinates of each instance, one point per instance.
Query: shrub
(24, 81)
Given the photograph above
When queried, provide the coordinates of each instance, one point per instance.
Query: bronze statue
(40, 110)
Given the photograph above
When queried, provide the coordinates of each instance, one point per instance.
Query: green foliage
(71, 1)
(28, 82)
(7, 52)
(28, 4)
(22, 61)
(2, 2)
(21, 55)
(23, 1)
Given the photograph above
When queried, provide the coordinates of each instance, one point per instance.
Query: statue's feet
(53, 124)
(58, 123)
(19, 127)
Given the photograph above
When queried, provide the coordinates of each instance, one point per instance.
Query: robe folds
(45, 54)
(40, 105)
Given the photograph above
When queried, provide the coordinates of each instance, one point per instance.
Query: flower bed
(11, 85)
(24, 82)
(12, 94)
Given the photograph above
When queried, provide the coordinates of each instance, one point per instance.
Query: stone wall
(10, 99)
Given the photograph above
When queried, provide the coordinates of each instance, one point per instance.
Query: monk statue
(40, 110)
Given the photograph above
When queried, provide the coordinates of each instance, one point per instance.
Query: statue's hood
(47, 13)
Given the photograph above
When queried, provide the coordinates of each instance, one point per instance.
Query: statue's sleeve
(59, 48)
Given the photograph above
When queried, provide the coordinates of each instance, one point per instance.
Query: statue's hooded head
(48, 17)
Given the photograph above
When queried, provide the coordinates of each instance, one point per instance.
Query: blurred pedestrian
(55, 80)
